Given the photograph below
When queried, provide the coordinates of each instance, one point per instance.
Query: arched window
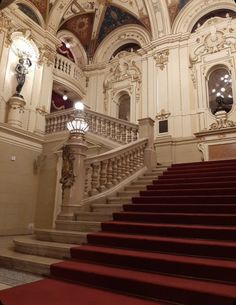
(124, 107)
(220, 90)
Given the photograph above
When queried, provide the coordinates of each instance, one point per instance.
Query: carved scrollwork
(47, 56)
(222, 121)
(161, 59)
(67, 173)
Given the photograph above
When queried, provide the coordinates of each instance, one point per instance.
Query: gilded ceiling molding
(117, 38)
(56, 14)
(194, 10)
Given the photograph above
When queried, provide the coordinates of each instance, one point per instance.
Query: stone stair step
(30, 245)
(121, 200)
(136, 187)
(94, 215)
(61, 236)
(11, 259)
(75, 225)
(128, 193)
(106, 208)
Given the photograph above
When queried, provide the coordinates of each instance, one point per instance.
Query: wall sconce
(78, 124)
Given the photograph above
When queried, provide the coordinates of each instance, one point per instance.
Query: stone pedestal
(16, 109)
(73, 177)
(146, 130)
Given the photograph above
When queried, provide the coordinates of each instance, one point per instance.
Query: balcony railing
(114, 129)
(66, 69)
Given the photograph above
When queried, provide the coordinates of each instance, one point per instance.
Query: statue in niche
(22, 68)
(221, 105)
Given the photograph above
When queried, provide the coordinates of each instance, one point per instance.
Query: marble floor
(8, 277)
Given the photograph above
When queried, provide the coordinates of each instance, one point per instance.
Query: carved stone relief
(67, 173)
(161, 59)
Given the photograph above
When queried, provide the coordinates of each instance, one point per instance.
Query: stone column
(16, 109)
(146, 130)
(73, 177)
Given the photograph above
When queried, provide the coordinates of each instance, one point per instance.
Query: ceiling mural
(174, 7)
(92, 21)
(113, 18)
(81, 26)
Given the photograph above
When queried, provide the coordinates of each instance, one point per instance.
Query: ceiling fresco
(42, 6)
(174, 7)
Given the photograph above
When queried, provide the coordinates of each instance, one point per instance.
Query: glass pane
(220, 90)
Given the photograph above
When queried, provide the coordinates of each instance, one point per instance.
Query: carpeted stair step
(177, 218)
(170, 179)
(197, 174)
(219, 169)
(58, 292)
(216, 270)
(195, 247)
(181, 208)
(200, 185)
(196, 199)
(206, 163)
(169, 288)
(186, 192)
(172, 230)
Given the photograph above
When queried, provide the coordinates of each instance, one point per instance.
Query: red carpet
(176, 242)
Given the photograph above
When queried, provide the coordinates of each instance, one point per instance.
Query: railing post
(72, 178)
(146, 130)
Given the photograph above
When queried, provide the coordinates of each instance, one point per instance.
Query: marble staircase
(36, 253)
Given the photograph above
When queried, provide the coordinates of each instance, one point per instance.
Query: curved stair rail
(109, 169)
(103, 125)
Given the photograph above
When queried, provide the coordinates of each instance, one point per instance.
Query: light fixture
(67, 45)
(65, 97)
(222, 89)
(213, 90)
(218, 94)
(78, 124)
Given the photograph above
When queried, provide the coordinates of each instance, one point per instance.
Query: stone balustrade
(109, 169)
(63, 67)
(114, 129)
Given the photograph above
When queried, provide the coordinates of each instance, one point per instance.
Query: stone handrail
(114, 129)
(109, 169)
(68, 69)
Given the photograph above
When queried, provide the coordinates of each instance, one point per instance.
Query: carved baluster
(135, 134)
(114, 171)
(119, 168)
(127, 164)
(131, 161)
(69, 69)
(118, 133)
(123, 134)
(136, 165)
(103, 175)
(104, 132)
(113, 130)
(63, 66)
(99, 130)
(129, 134)
(142, 155)
(123, 166)
(109, 174)
(59, 64)
(87, 185)
(108, 129)
(95, 178)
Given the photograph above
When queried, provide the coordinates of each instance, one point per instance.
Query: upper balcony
(68, 73)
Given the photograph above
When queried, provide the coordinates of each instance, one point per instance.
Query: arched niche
(194, 10)
(123, 35)
(219, 88)
(124, 106)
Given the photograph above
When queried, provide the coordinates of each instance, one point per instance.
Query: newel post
(146, 130)
(73, 166)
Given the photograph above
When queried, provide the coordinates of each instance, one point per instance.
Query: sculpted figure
(22, 69)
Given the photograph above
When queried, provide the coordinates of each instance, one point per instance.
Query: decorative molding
(222, 121)
(162, 115)
(161, 58)
(5, 22)
(46, 56)
(67, 173)
(41, 110)
(214, 35)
